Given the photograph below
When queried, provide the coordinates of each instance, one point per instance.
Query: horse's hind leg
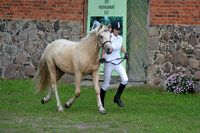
(59, 74)
(78, 78)
(48, 96)
(52, 70)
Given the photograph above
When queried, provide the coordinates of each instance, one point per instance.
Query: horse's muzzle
(108, 50)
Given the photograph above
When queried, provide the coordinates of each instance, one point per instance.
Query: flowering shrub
(179, 83)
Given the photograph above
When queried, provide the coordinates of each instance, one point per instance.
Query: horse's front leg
(78, 78)
(95, 76)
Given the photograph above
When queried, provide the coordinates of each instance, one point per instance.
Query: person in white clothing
(113, 62)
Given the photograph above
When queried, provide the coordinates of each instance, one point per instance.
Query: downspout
(84, 17)
(148, 23)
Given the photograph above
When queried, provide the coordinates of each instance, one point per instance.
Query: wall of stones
(28, 26)
(23, 41)
(173, 39)
(173, 48)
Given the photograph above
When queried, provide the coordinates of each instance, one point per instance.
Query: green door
(105, 11)
(137, 12)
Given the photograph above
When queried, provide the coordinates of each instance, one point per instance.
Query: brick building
(175, 12)
(27, 26)
(174, 39)
(171, 32)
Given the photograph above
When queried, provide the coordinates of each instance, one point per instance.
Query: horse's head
(104, 37)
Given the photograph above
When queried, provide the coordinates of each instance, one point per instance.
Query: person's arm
(123, 50)
(125, 54)
(102, 53)
(102, 58)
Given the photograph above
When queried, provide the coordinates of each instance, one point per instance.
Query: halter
(105, 43)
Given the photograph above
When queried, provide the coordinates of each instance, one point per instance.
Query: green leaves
(179, 83)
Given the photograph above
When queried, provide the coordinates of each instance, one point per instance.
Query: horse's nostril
(109, 51)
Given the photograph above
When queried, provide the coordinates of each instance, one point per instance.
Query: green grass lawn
(146, 110)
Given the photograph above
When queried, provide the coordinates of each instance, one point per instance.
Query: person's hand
(102, 60)
(126, 56)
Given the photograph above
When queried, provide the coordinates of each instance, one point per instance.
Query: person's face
(116, 32)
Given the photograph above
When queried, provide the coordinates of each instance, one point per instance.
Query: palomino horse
(75, 58)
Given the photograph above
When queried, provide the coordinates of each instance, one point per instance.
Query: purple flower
(179, 83)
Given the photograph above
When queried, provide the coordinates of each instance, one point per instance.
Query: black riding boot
(102, 95)
(118, 95)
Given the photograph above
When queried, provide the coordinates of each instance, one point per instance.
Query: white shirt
(116, 42)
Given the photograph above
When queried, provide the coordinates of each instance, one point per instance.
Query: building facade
(28, 26)
(173, 39)
(170, 35)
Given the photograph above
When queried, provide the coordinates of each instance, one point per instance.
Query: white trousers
(108, 69)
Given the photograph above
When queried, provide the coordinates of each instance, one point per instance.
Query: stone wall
(173, 48)
(23, 41)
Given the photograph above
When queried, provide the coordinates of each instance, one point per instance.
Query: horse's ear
(109, 27)
(100, 27)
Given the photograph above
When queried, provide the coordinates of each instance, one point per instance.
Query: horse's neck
(91, 46)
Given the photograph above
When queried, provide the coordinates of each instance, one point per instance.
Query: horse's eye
(101, 37)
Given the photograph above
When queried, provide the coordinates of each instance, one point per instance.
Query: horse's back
(61, 52)
(61, 43)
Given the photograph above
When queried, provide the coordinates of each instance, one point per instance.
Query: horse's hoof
(66, 106)
(61, 111)
(43, 102)
(102, 112)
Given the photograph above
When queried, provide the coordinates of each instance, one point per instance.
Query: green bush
(179, 83)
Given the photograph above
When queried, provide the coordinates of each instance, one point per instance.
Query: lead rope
(115, 59)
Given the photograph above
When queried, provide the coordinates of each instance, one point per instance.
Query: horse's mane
(91, 33)
(94, 32)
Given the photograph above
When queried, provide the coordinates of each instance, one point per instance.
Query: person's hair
(112, 30)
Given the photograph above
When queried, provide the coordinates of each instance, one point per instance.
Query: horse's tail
(42, 76)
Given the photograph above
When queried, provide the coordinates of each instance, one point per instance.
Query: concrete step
(89, 83)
